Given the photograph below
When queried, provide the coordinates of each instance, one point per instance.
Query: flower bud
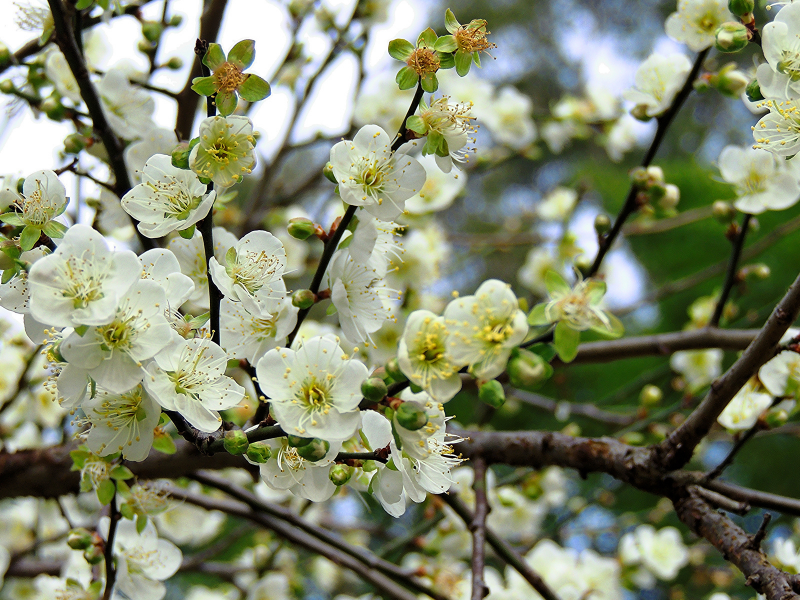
(180, 155)
(327, 171)
(731, 37)
(411, 415)
(776, 418)
(650, 395)
(93, 555)
(53, 109)
(655, 176)
(5, 54)
(79, 539)
(672, 196)
(602, 224)
(145, 46)
(315, 450)
(175, 21)
(74, 143)
(374, 389)
(730, 81)
(235, 441)
(298, 442)
(303, 299)
(259, 452)
(639, 177)
(741, 8)
(753, 91)
(7, 86)
(340, 474)
(761, 271)
(393, 369)
(152, 30)
(723, 211)
(639, 112)
(527, 370)
(492, 393)
(301, 228)
(583, 263)
(174, 63)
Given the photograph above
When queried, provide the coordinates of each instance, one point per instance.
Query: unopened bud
(53, 109)
(639, 177)
(180, 155)
(5, 54)
(761, 271)
(79, 539)
(340, 474)
(583, 263)
(650, 395)
(374, 389)
(174, 63)
(639, 112)
(152, 30)
(776, 418)
(303, 299)
(145, 46)
(731, 37)
(671, 197)
(527, 370)
(315, 450)
(492, 393)
(298, 442)
(7, 86)
(741, 8)
(655, 176)
(730, 81)
(602, 224)
(175, 21)
(235, 441)
(327, 170)
(723, 211)
(393, 369)
(753, 91)
(93, 555)
(411, 415)
(74, 143)
(301, 228)
(259, 452)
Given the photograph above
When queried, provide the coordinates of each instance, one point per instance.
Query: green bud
(152, 30)
(655, 177)
(180, 155)
(7, 86)
(776, 418)
(374, 389)
(723, 211)
(301, 228)
(145, 46)
(650, 395)
(93, 555)
(340, 474)
(235, 441)
(411, 415)
(53, 109)
(639, 177)
(368, 466)
(730, 81)
(671, 197)
(298, 442)
(327, 171)
(74, 143)
(639, 112)
(175, 21)
(174, 63)
(79, 539)
(314, 450)
(632, 438)
(393, 369)
(527, 370)
(259, 452)
(731, 37)
(5, 54)
(303, 299)
(741, 8)
(492, 393)
(761, 271)
(602, 224)
(753, 91)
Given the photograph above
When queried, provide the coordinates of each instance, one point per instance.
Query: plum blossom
(128, 109)
(762, 180)
(226, 150)
(656, 82)
(661, 552)
(746, 407)
(696, 22)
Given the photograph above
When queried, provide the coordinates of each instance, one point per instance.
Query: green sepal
(83, 4)
(416, 124)
(86, 483)
(613, 331)
(54, 230)
(79, 457)
(450, 21)
(123, 489)
(430, 83)
(463, 62)
(141, 523)
(187, 233)
(204, 86)
(446, 60)
(427, 38)
(446, 43)
(121, 473)
(400, 49)
(164, 443)
(81, 330)
(406, 78)
(226, 103)
(8, 275)
(214, 56)
(242, 54)
(555, 284)
(546, 351)
(12, 218)
(254, 88)
(105, 491)
(126, 510)
(163, 419)
(537, 316)
(230, 257)
(331, 310)
(566, 341)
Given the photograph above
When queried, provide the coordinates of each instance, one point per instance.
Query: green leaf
(401, 49)
(446, 43)
(79, 457)
(427, 38)
(164, 443)
(614, 330)
(429, 82)
(226, 103)
(12, 218)
(29, 236)
(406, 78)
(242, 54)
(450, 21)
(463, 62)
(416, 124)
(123, 489)
(121, 472)
(106, 491)
(86, 483)
(187, 233)
(254, 88)
(8, 275)
(204, 86)
(83, 4)
(538, 316)
(141, 523)
(214, 56)
(555, 284)
(546, 351)
(566, 341)
(54, 229)
(126, 510)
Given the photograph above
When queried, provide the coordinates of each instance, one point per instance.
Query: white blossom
(656, 82)
(763, 181)
(287, 470)
(745, 407)
(439, 191)
(508, 116)
(696, 22)
(779, 130)
(698, 367)
(128, 109)
(780, 76)
(250, 336)
(661, 552)
(226, 151)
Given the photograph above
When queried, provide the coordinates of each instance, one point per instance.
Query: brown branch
(478, 528)
(108, 551)
(587, 410)
(661, 225)
(788, 506)
(677, 449)
(731, 274)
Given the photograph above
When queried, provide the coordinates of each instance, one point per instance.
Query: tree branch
(478, 528)
(733, 266)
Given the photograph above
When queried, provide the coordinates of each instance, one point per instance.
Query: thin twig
(108, 552)
(573, 408)
(478, 528)
(730, 276)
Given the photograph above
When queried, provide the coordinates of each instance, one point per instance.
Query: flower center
(228, 77)
(82, 287)
(314, 395)
(423, 60)
(253, 270)
(473, 39)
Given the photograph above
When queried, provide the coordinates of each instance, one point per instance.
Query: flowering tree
(204, 429)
